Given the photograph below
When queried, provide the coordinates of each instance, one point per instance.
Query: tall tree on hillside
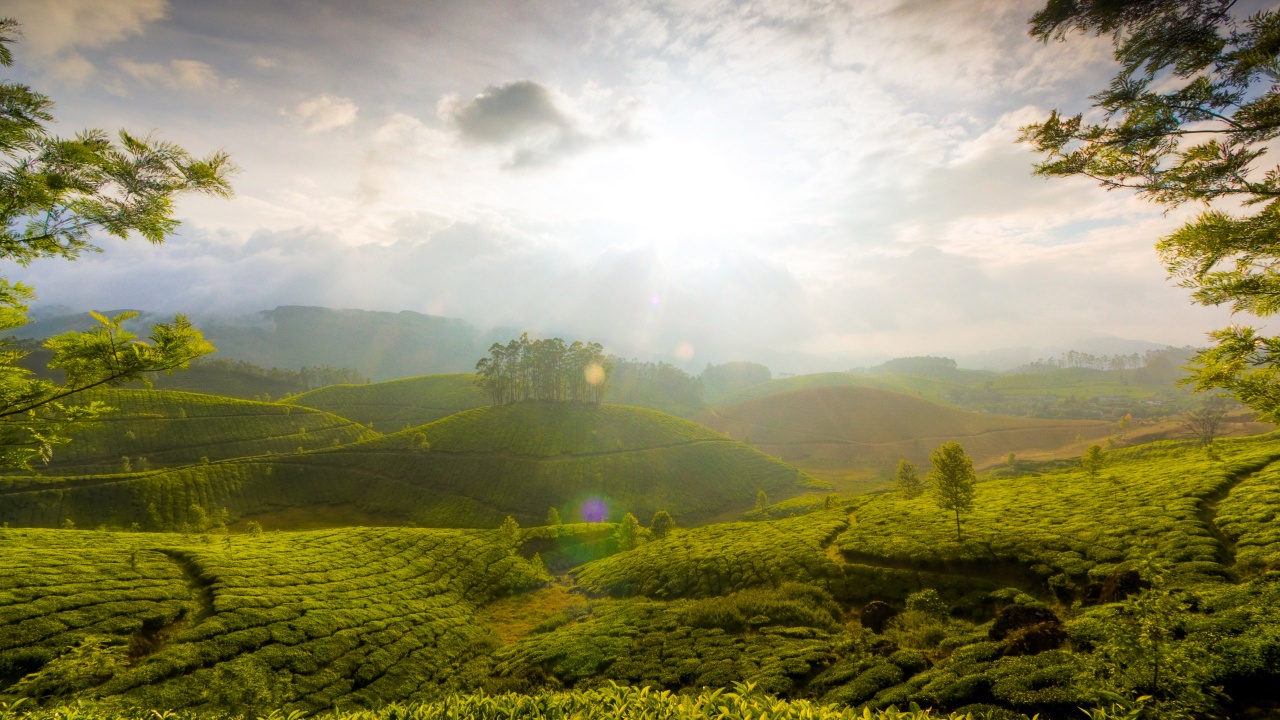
(908, 479)
(1093, 461)
(952, 480)
(1189, 117)
(58, 193)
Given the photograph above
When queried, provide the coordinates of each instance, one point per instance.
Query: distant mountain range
(390, 345)
(382, 345)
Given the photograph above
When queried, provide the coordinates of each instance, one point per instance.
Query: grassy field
(469, 470)
(854, 436)
(397, 404)
(157, 428)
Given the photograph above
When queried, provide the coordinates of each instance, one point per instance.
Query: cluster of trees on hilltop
(1132, 361)
(547, 370)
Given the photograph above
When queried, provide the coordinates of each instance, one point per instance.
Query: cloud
(51, 29)
(52, 32)
(538, 124)
(326, 112)
(174, 75)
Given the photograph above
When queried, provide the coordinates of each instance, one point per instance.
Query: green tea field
(159, 428)
(468, 470)
(1042, 606)
(397, 404)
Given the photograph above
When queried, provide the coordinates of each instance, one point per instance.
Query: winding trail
(1208, 514)
(201, 588)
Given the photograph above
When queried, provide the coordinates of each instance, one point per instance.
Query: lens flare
(594, 374)
(684, 351)
(594, 510)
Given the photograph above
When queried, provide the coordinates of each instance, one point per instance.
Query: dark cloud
(540, 125)
(507, 113)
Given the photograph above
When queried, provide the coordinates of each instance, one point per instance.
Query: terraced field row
(435, 487)
(1070, 526)
(723, 558)
(153, 428)
(552, 429)
(397, 404)
(300, 621)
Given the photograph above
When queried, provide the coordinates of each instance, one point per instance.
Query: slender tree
(952, 480)
(553, 516)
(1191, 116)
(908, 479)
(627, 534)
(1093, 461)
(57, 193)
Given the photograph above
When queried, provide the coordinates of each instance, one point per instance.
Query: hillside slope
(1034, 610)
(467, 470)
(852, 424)
(397, 404)
(156, 428)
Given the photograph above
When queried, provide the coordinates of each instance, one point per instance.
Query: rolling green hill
(299, 621)
(834, 426)
(157, 428)
(1053, 393)
(468, 470)
(397, 404)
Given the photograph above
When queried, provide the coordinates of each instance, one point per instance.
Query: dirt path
(1208, 514)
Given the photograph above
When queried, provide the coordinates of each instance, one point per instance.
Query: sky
(696, 178)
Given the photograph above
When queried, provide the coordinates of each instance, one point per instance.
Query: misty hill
(850, 423)
(381, 345)
(397, 404)
(156, 428)
(467, 470)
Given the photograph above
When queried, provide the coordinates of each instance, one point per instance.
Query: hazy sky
(719, 177)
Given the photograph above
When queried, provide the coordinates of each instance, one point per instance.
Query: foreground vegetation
(1155, 576)
(741, 703)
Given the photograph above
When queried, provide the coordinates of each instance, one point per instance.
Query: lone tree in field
(553, 516)
(1206, 423)
(56, 193)
(628, 533)
(952, 480)
(1093, 461)
(1191, 116)
(662, 524)
(762, 502)
(908, 480)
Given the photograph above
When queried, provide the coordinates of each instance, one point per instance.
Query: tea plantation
(469, 470)
(298, 621)
(874, 425)
(397, 404)
(1149, 588)
(156, 428)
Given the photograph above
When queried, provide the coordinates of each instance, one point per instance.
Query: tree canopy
(1189, 117)
(60, 195)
